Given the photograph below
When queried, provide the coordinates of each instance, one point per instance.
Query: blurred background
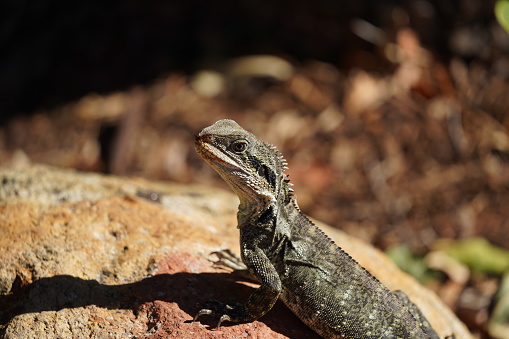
(392, 115)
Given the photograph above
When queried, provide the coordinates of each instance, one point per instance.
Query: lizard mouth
(203, 149)
(215, 157)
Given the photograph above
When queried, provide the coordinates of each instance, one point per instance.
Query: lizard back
(333, 294)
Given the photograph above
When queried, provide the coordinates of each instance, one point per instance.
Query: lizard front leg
(258, 303)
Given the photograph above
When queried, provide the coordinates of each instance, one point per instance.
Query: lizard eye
(239, 146)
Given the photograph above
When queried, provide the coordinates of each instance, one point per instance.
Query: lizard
(291, 257)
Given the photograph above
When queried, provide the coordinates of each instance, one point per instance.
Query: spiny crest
(283, 164)
(286, 191)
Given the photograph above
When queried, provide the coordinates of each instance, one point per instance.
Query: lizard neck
(250, 210)
(263, 210)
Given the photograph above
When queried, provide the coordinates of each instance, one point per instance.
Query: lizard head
(252, 168)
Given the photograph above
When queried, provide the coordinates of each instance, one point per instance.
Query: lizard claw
(203, 311)
(224, 317)
(233, 311)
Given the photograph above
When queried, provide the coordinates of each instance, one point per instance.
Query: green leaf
(502, 13)
(480, 256)
(410, 263)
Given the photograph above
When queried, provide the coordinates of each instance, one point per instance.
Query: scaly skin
(293, 259)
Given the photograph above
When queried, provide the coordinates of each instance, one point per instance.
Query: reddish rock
(91, 256)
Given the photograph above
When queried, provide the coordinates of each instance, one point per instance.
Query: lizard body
(291, 257)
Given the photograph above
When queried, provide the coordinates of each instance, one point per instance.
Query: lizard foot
(233, 311)
(229, 260)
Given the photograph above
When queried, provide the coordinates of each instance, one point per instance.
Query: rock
(92, 256)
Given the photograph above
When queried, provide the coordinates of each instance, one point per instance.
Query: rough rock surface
(91, 256)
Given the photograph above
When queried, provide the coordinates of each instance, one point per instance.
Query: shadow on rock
(185, 289)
